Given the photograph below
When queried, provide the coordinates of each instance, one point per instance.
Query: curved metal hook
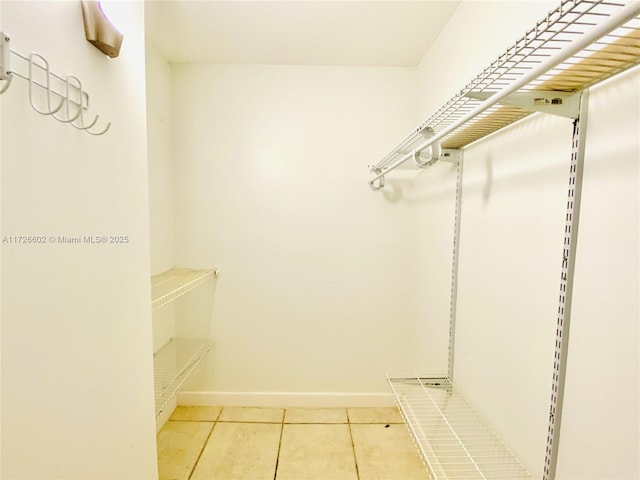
(80, 107)
(31, 82)
(6, 85)
(95, 120)
(102, 132)
(86, 129)
(68, 92)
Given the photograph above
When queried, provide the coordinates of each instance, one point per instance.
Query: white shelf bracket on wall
(62, 98)
(451, 155)
(564, 104)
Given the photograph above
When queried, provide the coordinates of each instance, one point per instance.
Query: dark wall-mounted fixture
(99, 30)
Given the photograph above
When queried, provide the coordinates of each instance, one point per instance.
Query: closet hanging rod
(625, 14)
(74, 98)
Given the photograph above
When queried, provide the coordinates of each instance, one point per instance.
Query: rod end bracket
(377, 184)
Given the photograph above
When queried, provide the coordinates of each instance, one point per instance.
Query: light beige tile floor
(239, 451)
(213, 443)
(382, 451)
(200, 414)
(311, 451)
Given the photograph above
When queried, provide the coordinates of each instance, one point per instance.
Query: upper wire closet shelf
(579, 44)
(62, 98)
(169, 285)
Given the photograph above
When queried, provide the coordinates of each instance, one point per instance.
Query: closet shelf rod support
(628, 12)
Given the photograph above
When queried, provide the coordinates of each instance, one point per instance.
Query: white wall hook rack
(67, 101)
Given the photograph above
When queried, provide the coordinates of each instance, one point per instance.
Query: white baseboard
(285, 399)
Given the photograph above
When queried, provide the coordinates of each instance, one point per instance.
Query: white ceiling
(296, 32)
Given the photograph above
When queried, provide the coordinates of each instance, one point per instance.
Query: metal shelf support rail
(572, 218)
(68, 92)
(455, 257)
(625, 14)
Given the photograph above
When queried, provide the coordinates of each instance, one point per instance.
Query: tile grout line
(275, 472)
(249, 421)
(353, 445)
(204, 445)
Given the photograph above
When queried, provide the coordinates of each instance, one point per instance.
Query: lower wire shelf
(453, 440)
(173, 364)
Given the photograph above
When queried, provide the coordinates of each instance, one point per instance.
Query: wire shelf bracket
(564, 104)
(450, 155)
(65, 92)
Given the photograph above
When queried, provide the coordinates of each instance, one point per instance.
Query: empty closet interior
(434, 205)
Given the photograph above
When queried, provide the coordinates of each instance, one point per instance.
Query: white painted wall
(1, 309)
(160, 165)
(159, 131)
(514, 199)
(602, 419)
(77, 389)
(326, 287)
(321, 278)
(513, 220)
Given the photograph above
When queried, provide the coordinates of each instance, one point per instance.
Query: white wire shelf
(173, 364)
(453, 440)
(607, 36)
(169, 285)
